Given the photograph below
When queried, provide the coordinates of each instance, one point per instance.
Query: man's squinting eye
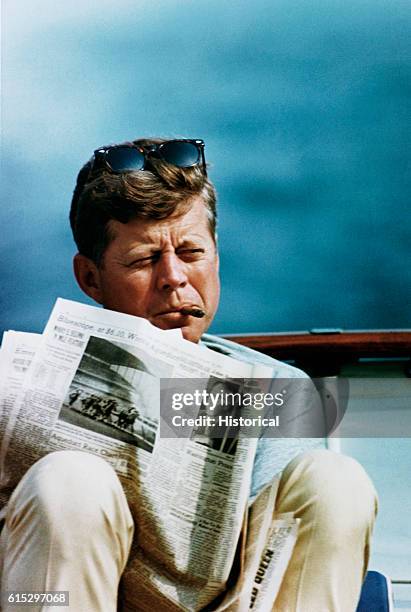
(144, 261)
(193, 253)
(183, 252)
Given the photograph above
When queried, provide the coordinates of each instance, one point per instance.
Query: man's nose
(171, 272)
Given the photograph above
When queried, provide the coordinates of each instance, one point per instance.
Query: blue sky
(303, 108)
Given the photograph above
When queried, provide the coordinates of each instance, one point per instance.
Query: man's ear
(88, 276)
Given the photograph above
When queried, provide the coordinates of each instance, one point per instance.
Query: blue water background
(304, 108)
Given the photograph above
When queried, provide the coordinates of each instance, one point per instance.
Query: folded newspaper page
(91, 383)
(16, 354)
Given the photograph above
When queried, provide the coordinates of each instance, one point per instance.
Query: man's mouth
(181, 316)
(185, 310)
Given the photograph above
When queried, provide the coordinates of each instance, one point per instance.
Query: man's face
(152, 269)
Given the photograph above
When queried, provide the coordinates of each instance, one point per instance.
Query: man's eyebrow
(140, 250)
(189, 242)
(194, 238)
(152, 247)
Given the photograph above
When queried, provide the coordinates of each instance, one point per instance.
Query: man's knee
(334, 487)
(69, 515)
(65, 485)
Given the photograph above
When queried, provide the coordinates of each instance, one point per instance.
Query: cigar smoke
(193, 311)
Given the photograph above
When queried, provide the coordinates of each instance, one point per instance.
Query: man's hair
(101, 195)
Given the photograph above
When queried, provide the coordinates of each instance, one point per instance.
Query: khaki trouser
(68, 528)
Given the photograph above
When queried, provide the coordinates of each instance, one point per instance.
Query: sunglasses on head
(182, 153)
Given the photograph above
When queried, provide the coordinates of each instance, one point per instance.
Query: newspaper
(90, 383)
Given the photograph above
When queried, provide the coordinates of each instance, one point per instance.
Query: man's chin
(190, 334)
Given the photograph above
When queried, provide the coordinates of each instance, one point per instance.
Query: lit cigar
(193, 311)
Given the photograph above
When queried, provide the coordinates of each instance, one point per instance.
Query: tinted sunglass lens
(182, 154)
(123, 159)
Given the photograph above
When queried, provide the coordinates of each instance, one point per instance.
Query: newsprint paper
(90, 383)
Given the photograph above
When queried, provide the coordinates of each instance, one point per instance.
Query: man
(143, 216)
